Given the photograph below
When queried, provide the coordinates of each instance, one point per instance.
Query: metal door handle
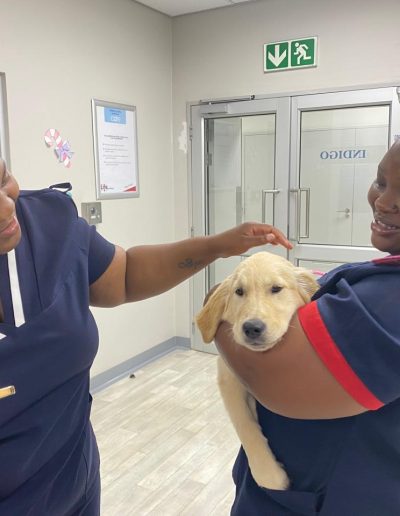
(347, 211)
(264, 193)
(298, 192)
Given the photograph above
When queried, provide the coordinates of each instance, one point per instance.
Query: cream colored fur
(252, 293)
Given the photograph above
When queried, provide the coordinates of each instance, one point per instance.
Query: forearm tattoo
(189, 263)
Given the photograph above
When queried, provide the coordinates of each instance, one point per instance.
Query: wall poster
(115, 150)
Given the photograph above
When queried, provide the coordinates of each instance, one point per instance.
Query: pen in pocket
(7, 391)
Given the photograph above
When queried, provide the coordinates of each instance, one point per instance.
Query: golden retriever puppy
(259, 299)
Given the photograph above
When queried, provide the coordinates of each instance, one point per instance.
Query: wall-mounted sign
(291, 54)
(115, 150)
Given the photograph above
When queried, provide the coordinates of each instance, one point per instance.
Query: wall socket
(91, 212)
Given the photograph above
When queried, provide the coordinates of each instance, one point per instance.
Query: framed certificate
(115, 150)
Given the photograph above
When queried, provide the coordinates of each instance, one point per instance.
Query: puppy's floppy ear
(210, 315)
(307, 283)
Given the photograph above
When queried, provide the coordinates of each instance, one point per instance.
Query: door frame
(4, 136)
(199, 113)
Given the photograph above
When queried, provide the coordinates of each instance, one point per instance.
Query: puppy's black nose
(253, 328)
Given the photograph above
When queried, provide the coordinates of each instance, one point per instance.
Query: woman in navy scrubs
(53, 265)
(329, 392)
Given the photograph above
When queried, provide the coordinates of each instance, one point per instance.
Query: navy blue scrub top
(48, 454)
(347, 466)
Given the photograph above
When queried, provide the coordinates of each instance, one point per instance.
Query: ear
(307, 283)
(210, 315)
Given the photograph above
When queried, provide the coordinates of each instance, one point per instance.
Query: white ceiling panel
(178, 7)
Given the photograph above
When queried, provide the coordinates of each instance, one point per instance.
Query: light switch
(91, 212)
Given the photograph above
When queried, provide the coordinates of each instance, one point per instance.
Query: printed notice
(117, 169)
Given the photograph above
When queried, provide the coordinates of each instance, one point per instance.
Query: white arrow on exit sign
(278, 57)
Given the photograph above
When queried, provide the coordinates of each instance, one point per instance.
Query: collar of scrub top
(393, 259)
(18, 309)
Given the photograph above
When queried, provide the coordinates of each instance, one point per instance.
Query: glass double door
(303, 164)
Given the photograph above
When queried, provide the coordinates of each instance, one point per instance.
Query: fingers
(273, 240)
(271, 235)
(238, 240)
(277, 237)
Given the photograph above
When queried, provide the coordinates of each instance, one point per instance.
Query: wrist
(214, 247)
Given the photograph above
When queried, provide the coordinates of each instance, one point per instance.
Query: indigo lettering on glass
(344, 154)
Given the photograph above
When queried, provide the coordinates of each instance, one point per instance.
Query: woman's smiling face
(10, 231)
(384, 199)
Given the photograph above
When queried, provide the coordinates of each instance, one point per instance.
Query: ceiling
(178, 7)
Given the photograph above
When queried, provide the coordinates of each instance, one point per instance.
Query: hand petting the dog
(241, 238)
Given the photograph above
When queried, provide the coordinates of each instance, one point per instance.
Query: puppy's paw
(270, 476)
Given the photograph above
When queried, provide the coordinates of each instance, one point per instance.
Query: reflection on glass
(339, 153)
(240, 157)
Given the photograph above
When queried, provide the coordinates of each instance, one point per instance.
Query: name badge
(7, 391)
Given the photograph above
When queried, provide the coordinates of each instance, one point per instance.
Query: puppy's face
(259, 300)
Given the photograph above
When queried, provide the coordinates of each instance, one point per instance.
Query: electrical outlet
(91, 212)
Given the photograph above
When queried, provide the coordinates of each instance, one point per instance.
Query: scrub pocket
(252, 500)
(299, 502)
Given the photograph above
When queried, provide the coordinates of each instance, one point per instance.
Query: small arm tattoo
(189, 263)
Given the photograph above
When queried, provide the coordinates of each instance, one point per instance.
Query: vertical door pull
(264, 193)
(298, 192)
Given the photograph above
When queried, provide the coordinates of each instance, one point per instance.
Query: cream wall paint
(219, 54)
(56, 57)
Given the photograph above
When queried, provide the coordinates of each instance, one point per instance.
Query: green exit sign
(291, 54)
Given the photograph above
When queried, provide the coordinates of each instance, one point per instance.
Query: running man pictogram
(301, 52)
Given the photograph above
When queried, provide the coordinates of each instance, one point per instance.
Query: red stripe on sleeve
(321, 340)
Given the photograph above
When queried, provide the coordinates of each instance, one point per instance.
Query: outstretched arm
(145, 271)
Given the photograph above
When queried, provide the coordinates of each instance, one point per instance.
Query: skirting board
(103, 380)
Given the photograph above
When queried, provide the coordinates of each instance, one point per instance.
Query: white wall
(57, 56)
(219, 54)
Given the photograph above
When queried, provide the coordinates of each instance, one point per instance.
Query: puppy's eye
(239, 291)
(275, 289)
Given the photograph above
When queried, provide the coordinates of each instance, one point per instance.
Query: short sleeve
(100, 252)
(356, 333)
